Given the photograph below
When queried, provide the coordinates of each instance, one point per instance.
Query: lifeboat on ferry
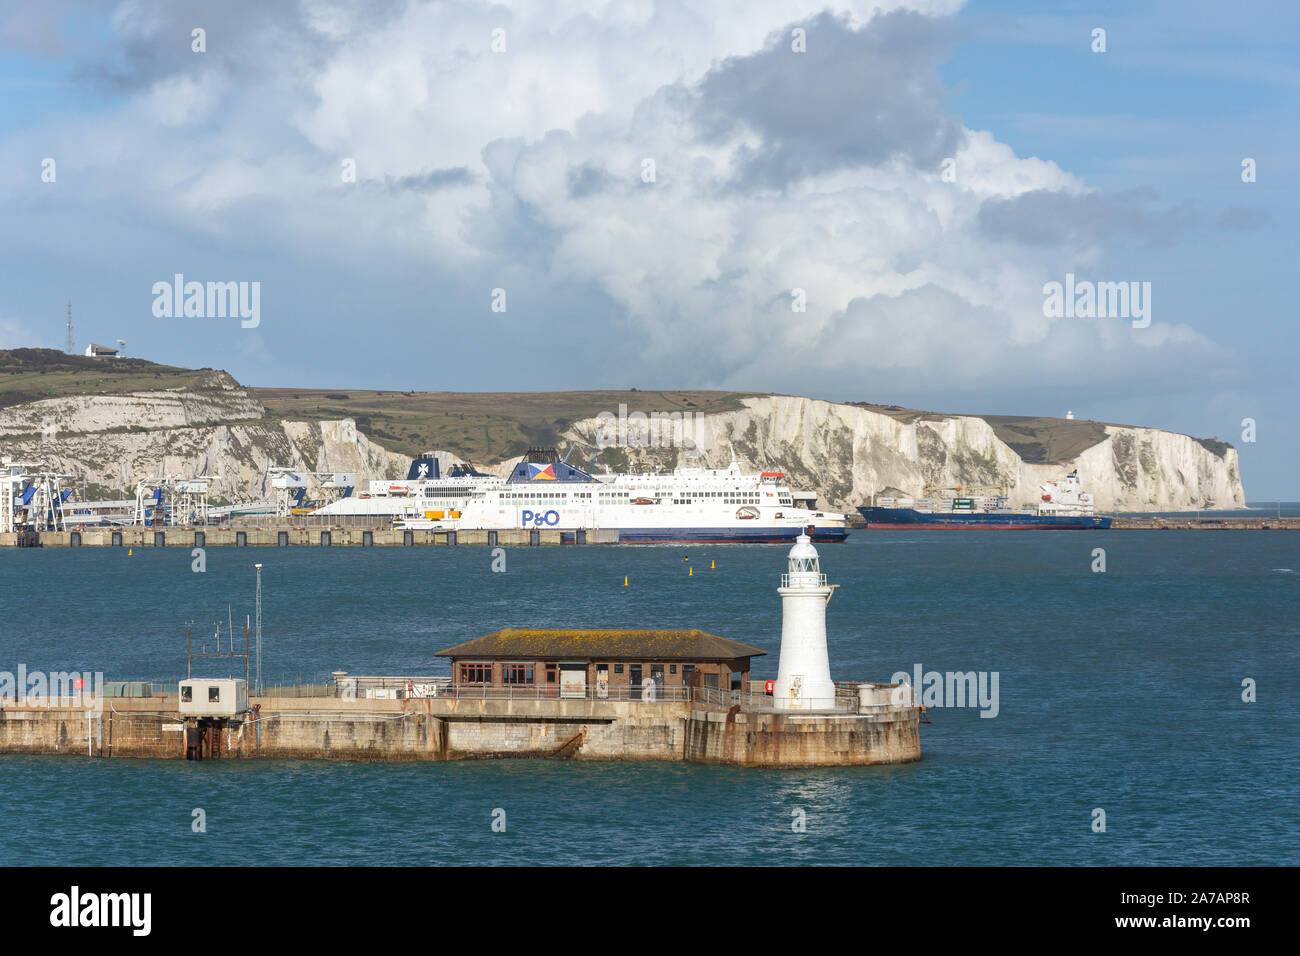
(746, 512)
(643, 501)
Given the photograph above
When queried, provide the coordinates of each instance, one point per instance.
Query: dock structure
(300, 536)
(317, 532)
(1188, 522)
(703, 726)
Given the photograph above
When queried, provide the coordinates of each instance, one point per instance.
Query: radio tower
(69, 328)
(259, 628)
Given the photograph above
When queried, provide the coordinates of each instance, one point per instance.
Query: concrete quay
(1203, 523)
(1146, 523)
(288, 536)
(467, 729)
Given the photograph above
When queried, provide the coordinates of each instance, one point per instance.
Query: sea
(1146, 704)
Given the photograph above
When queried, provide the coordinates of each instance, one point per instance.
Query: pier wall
(890, 735)
(140, 537)
(449, 729)
(363, 537)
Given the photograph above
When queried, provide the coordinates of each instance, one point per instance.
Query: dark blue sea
(1118, 690)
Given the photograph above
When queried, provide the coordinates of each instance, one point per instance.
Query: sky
(855, 201)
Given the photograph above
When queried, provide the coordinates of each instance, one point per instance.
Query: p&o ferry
(687, 505)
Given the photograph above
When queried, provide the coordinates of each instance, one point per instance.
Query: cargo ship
(686, 505)
(1064, 506)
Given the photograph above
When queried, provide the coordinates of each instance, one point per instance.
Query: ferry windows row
(538, 495)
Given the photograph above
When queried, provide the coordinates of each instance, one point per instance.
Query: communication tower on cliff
(803, 679)
(69, 328)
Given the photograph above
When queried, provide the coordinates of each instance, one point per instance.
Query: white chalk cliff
(219, 430)
(847, 453)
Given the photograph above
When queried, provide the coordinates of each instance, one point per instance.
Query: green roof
(580, 643)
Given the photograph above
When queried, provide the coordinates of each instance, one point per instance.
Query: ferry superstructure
(542, 491)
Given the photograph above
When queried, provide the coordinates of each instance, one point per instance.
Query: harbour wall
(363, 537)
(460, 729)
(181, 537)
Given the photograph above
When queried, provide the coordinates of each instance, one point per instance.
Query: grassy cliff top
(31, 375)
(477, 426)
(1037, 440)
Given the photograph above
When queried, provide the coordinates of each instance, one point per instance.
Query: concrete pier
(298, 536)
(1190, 522)
(467, 729)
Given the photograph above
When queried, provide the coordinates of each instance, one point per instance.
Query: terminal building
(600, 664)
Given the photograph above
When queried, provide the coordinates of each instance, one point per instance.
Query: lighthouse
(803, 678)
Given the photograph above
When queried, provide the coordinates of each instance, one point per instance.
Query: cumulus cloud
(668, 189)
(853, 98)
(1048, 217)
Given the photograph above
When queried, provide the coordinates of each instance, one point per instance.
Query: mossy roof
(582, 643)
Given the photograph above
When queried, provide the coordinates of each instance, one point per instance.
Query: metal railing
(766, 703)
(752, 697)
(464, 691)
(803, 579)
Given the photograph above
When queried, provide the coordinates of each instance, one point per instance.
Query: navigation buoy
(129, 552)
(625, 580)
(690, 572)
(712, 566)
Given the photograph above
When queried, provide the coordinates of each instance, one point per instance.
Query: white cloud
(698, 266)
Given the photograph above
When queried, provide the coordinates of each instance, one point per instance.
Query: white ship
(542, 491)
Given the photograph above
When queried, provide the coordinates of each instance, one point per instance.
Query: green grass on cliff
(31, 375)
(477, 426)
(1037, 440)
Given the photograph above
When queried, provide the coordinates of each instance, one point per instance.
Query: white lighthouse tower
(803, 678)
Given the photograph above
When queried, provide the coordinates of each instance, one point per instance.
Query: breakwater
(286, 536)
(1203, 523)
(467, 729)
(1146, 523)
(378, 537)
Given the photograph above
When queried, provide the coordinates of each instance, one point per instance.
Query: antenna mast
(258, 631)
(69, 327)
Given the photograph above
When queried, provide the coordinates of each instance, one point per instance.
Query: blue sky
(522, 169)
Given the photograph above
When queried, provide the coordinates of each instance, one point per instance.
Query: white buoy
(803, 678)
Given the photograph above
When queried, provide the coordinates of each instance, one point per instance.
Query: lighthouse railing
(803, 579)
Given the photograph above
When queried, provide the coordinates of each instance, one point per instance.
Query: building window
(214, 695)
(516, 673)
(476, 673)
(618, 668)
(672, 668)
(187, 695)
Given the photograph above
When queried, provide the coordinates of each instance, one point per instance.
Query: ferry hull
(911, 520)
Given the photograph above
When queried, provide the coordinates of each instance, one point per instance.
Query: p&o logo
(538, 519)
